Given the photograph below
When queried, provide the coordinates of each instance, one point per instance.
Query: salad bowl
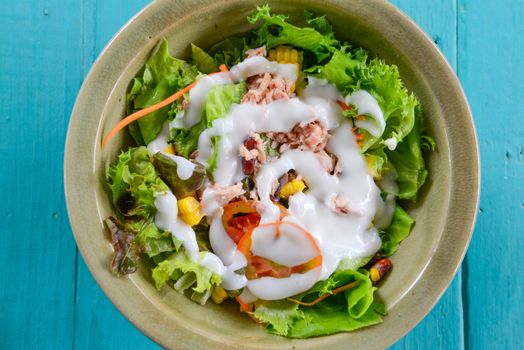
(444, 213)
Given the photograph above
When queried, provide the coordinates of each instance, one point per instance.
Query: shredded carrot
(324, 296)
(143, 112)
(359, 136)
(344, 106)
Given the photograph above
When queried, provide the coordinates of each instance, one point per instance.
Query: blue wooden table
(48, 299)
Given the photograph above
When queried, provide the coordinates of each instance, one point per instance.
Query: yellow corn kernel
(292, 187)
(272, 55)
(190, 210)
(284, 54)
(219, 295)
(374, 274)
(169, 149)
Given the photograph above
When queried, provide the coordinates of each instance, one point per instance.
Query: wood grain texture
(98, 324)
(39, 78)
(49, 299)
(490, 50)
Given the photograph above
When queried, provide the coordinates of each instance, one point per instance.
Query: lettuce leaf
(185, 141)
(151, 239)
(163, 75)
(218, 101)
(280, 315)
(178, 265)
(126, 252)
(220, 98)
(203, 60)
(398, 230)
(229, 51)
(346, 311)
(134, 181)
(116, 174)
(408, 162)
(275, 31)
(351, 70)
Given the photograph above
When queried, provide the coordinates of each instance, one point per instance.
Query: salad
(270, 171)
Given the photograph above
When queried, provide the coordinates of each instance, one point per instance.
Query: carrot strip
(344, 106)
(143, 112)
(324, 296)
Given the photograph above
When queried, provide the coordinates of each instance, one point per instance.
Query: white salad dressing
(197, 99)
(367, 104)
(336, 236)
(167, 219)
(321, 88)
(391, 143)
(274, 242)
(258, 65)
(340, 236)
(159, 144)
(281, 115)
(271, 288)
(184, 167)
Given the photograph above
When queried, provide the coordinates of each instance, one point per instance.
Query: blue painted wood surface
(48, 299)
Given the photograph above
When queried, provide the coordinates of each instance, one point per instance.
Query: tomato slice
(241, 217)
(259, 266)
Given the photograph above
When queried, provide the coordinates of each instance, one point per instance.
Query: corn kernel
(284, 54)
(169, 149)
(374, 274)
(219, 295)
(190, 210)
(292, 187)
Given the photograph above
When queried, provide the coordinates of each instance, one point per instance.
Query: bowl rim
(413, 29)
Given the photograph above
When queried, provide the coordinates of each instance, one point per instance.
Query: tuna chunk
(252, 153)
(341, 205)
(267, 87)
(224, 194)
(259, 51)
(311, 136)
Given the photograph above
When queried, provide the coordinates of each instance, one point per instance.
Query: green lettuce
(274, 31)
(133, 182)
(345, 311)
(151, 239)
(220, 98)
(408, 162)
(229, 51)
(351, 70)
(218, 101)
(163, 75)
(203, 60)
(178, 265)
(185, 141)
(398, 230)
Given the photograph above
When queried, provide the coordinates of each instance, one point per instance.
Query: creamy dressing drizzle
(197, 99)
(367, 104)
(338, 236)
(167, 219)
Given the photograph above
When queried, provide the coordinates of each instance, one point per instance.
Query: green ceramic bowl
(445, 213)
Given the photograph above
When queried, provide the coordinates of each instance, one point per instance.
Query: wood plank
(443, 327)
(490, 66)
(98, 324)
(38, 82)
